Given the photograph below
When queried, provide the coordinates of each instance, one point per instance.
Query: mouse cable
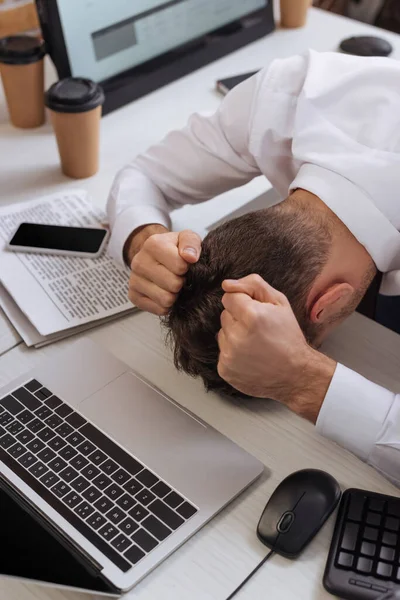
(260, 564)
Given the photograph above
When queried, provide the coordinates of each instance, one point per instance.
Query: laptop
(113, 468)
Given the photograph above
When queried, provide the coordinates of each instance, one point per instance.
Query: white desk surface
(212, 563)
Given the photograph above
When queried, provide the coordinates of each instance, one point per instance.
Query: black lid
(21, 49)
(74, 95)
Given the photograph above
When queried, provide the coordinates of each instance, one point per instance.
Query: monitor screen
(106, 37)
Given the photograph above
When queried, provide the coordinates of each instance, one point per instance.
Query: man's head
(299, 247)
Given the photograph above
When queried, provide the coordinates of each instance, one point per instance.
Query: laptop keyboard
(122, 507)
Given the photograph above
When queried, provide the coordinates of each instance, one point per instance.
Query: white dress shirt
(328, 123)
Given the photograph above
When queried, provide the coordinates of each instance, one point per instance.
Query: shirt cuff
(353, 411)
(129, 220)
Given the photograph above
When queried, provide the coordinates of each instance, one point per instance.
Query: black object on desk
(366, 45)
(364, 558)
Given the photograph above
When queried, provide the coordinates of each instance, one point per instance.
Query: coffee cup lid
(74, 95)
(21, 49)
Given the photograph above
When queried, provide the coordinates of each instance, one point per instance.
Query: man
(324, 128)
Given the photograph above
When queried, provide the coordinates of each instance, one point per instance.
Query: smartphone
(226, 85)
(57, 239)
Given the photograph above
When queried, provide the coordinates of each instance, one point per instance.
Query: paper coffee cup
(294, 13)
(22, 74)
(75, 111)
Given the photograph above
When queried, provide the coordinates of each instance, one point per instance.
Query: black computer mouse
(366, 45)
(296, 511)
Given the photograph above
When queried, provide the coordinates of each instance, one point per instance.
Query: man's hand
(263, 351)
(159, 260)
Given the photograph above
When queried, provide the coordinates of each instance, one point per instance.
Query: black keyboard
(364, 558)
(122, 507)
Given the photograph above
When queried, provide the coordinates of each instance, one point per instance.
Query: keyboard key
(113, 491)
(14, 427)
(26, 416)
(36, 425)
(166, 515)
(117, 453)
(80, 484)
(393, 508)
(121, 543)
(156, 528)
(376, 504)
(120, 476)
(33, 385)
(384, 570)
(17, 450)
(133, 487)
(64, 429)
(5, 418)
(84, 510)
(109, 466)
(69, 474)
(398, 574)
(186, 510)
(364, 565)
(27, 399)
(43, 412)
(374, 519)
(72, 499)
(90, 471)
(46, 434)
(173, 499)
(96, 520)
(75, 438)
(79, 462)
(389, 538)
(49, 479)
(75, 420)
(387, 553)
(97, 457)
(138, 512)
(370, 533)
(53, 421)
(115, 515)
(147, 478)
(38, 469)
(57, 444)
(128, 526)
(6, 441)
(103, 504)
(102, 482)
(349, 539)
(125, 502)
(12, 405)
(53, 402)
(86, 447)
(63, 410)
(67, 452)
(145, 497)
(25, 437)
(345, 560)
(161, 489)
(43, 394)
(91, 494)
(108, 532)
(46, 455)
(368, 549)
(134, 554)
(60, 489)
(2, 431)
(35, 445)
(144, 540)
(390, 523)
(27, 460)
(57, 464)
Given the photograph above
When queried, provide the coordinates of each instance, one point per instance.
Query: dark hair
(285, 247)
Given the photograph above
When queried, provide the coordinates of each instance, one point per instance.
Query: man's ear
(331, 303)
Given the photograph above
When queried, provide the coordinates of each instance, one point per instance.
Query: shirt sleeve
(206, 158)
(364, 418)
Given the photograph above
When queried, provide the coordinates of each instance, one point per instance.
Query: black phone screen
(57, 237)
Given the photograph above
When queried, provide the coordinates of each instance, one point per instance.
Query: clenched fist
(159, 260)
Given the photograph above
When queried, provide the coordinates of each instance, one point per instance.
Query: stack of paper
(49, 297)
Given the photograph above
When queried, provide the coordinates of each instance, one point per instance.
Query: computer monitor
(135, 46)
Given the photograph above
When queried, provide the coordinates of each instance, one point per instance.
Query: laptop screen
(104, 38)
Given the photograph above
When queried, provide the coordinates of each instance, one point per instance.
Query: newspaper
(58, 293)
